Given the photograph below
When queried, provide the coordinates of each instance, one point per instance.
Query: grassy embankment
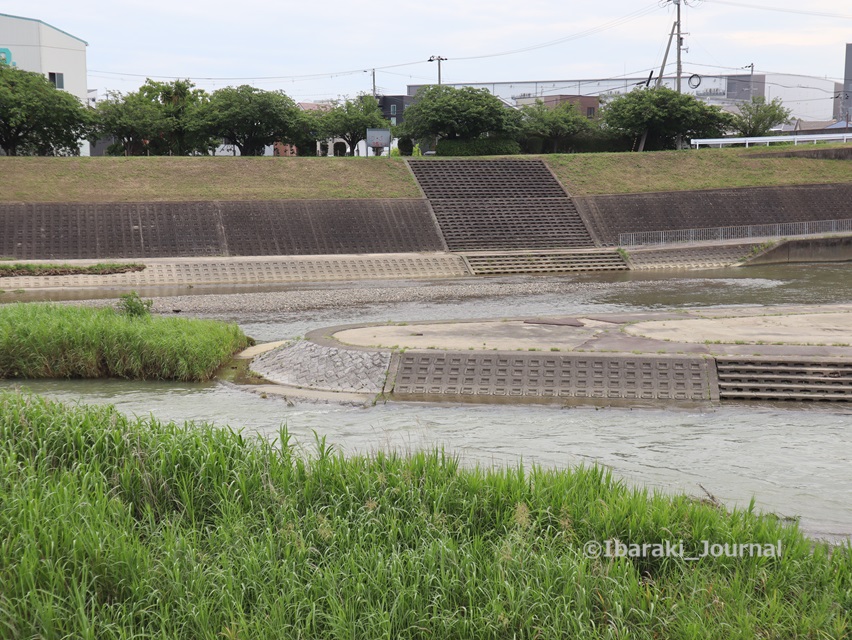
(56, 341)
(119, 528)
(225, 178)
(12, 269)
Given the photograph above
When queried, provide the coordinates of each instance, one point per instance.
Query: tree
(553, 124)
(251, 118)
(350, 119)
(132, 119)
(757, 117)
(183, 129)
(38, 118)
(464, 114)
(665, 115)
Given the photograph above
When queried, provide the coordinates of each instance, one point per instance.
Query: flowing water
(793, 460)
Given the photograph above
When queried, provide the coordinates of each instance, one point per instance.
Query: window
(57, 79)
(590, 112)
(393, 120)
(393, 109)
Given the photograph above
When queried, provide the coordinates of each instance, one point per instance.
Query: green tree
(132, 119)
(758, 116)
(38, 118)
(463, 114)
(665, 115)
(251, 118)
(183, 129)
(350, 119)
(553, 125)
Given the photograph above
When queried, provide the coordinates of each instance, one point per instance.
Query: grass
(120, 528)
(226, 178)
(613, 173)
(27, 269)
(144, 179)
(56, 341)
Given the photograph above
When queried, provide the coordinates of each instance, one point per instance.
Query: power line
(778, 9)
(575, 36)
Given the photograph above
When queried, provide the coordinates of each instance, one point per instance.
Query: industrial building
(32, 45)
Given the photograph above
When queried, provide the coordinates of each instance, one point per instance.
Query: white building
(33, 45)
(808, 98)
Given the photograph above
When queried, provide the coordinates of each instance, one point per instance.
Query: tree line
(176, 118)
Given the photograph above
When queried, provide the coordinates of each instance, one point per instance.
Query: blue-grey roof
(7, 15)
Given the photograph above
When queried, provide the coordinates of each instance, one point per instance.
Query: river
(794, 460)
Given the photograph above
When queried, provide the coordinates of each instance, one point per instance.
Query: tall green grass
(56, 341)
(119, 528)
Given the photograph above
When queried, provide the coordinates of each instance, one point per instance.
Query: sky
(328, 49)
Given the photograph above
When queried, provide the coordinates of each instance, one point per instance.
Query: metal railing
(767, 140)
(715, 234)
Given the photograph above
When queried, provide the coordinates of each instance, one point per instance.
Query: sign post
(378, 139)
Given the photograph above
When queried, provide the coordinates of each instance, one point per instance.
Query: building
(393, 107)
(586, 105)
(33, 45)
(809, 98)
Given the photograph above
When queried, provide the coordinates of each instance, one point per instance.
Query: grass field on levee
(226, 178)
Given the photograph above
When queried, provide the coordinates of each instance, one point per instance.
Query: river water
(793, 460)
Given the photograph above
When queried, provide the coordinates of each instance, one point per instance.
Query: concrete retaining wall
(566, 379)
(197, 229)
(609, 216)
(807, 250)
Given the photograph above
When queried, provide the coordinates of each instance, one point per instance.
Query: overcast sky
(319, 50)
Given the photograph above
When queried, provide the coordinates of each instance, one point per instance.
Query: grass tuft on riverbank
(43, 340)
(119, 528)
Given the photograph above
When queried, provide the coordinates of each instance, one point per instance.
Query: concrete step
(784, 379)
(543, 262)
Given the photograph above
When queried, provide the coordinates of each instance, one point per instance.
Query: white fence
(678, 236)
(767, 140)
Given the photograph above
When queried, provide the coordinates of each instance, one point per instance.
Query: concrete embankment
(830, 249)
(477, 217)
(686, 357)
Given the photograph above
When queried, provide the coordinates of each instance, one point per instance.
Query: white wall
(41, 48)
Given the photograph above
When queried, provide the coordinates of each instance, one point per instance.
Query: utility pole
(678, 3)
(437, 59)
(750, 81)
(679, 46)
(374, 83)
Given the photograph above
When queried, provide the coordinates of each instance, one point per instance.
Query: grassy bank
(56, 341)
(187, 179)
(611, 173)
(116, 528)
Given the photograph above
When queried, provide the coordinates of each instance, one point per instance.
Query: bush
(478, 147)
(405, 146)
(131, 305)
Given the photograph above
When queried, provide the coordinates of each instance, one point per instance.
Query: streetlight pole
(437, 59)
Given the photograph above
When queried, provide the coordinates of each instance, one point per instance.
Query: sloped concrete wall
(199, 229)
(609, 216)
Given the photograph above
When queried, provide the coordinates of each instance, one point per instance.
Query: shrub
(131, 305)
(405, 146)
(478, 147)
